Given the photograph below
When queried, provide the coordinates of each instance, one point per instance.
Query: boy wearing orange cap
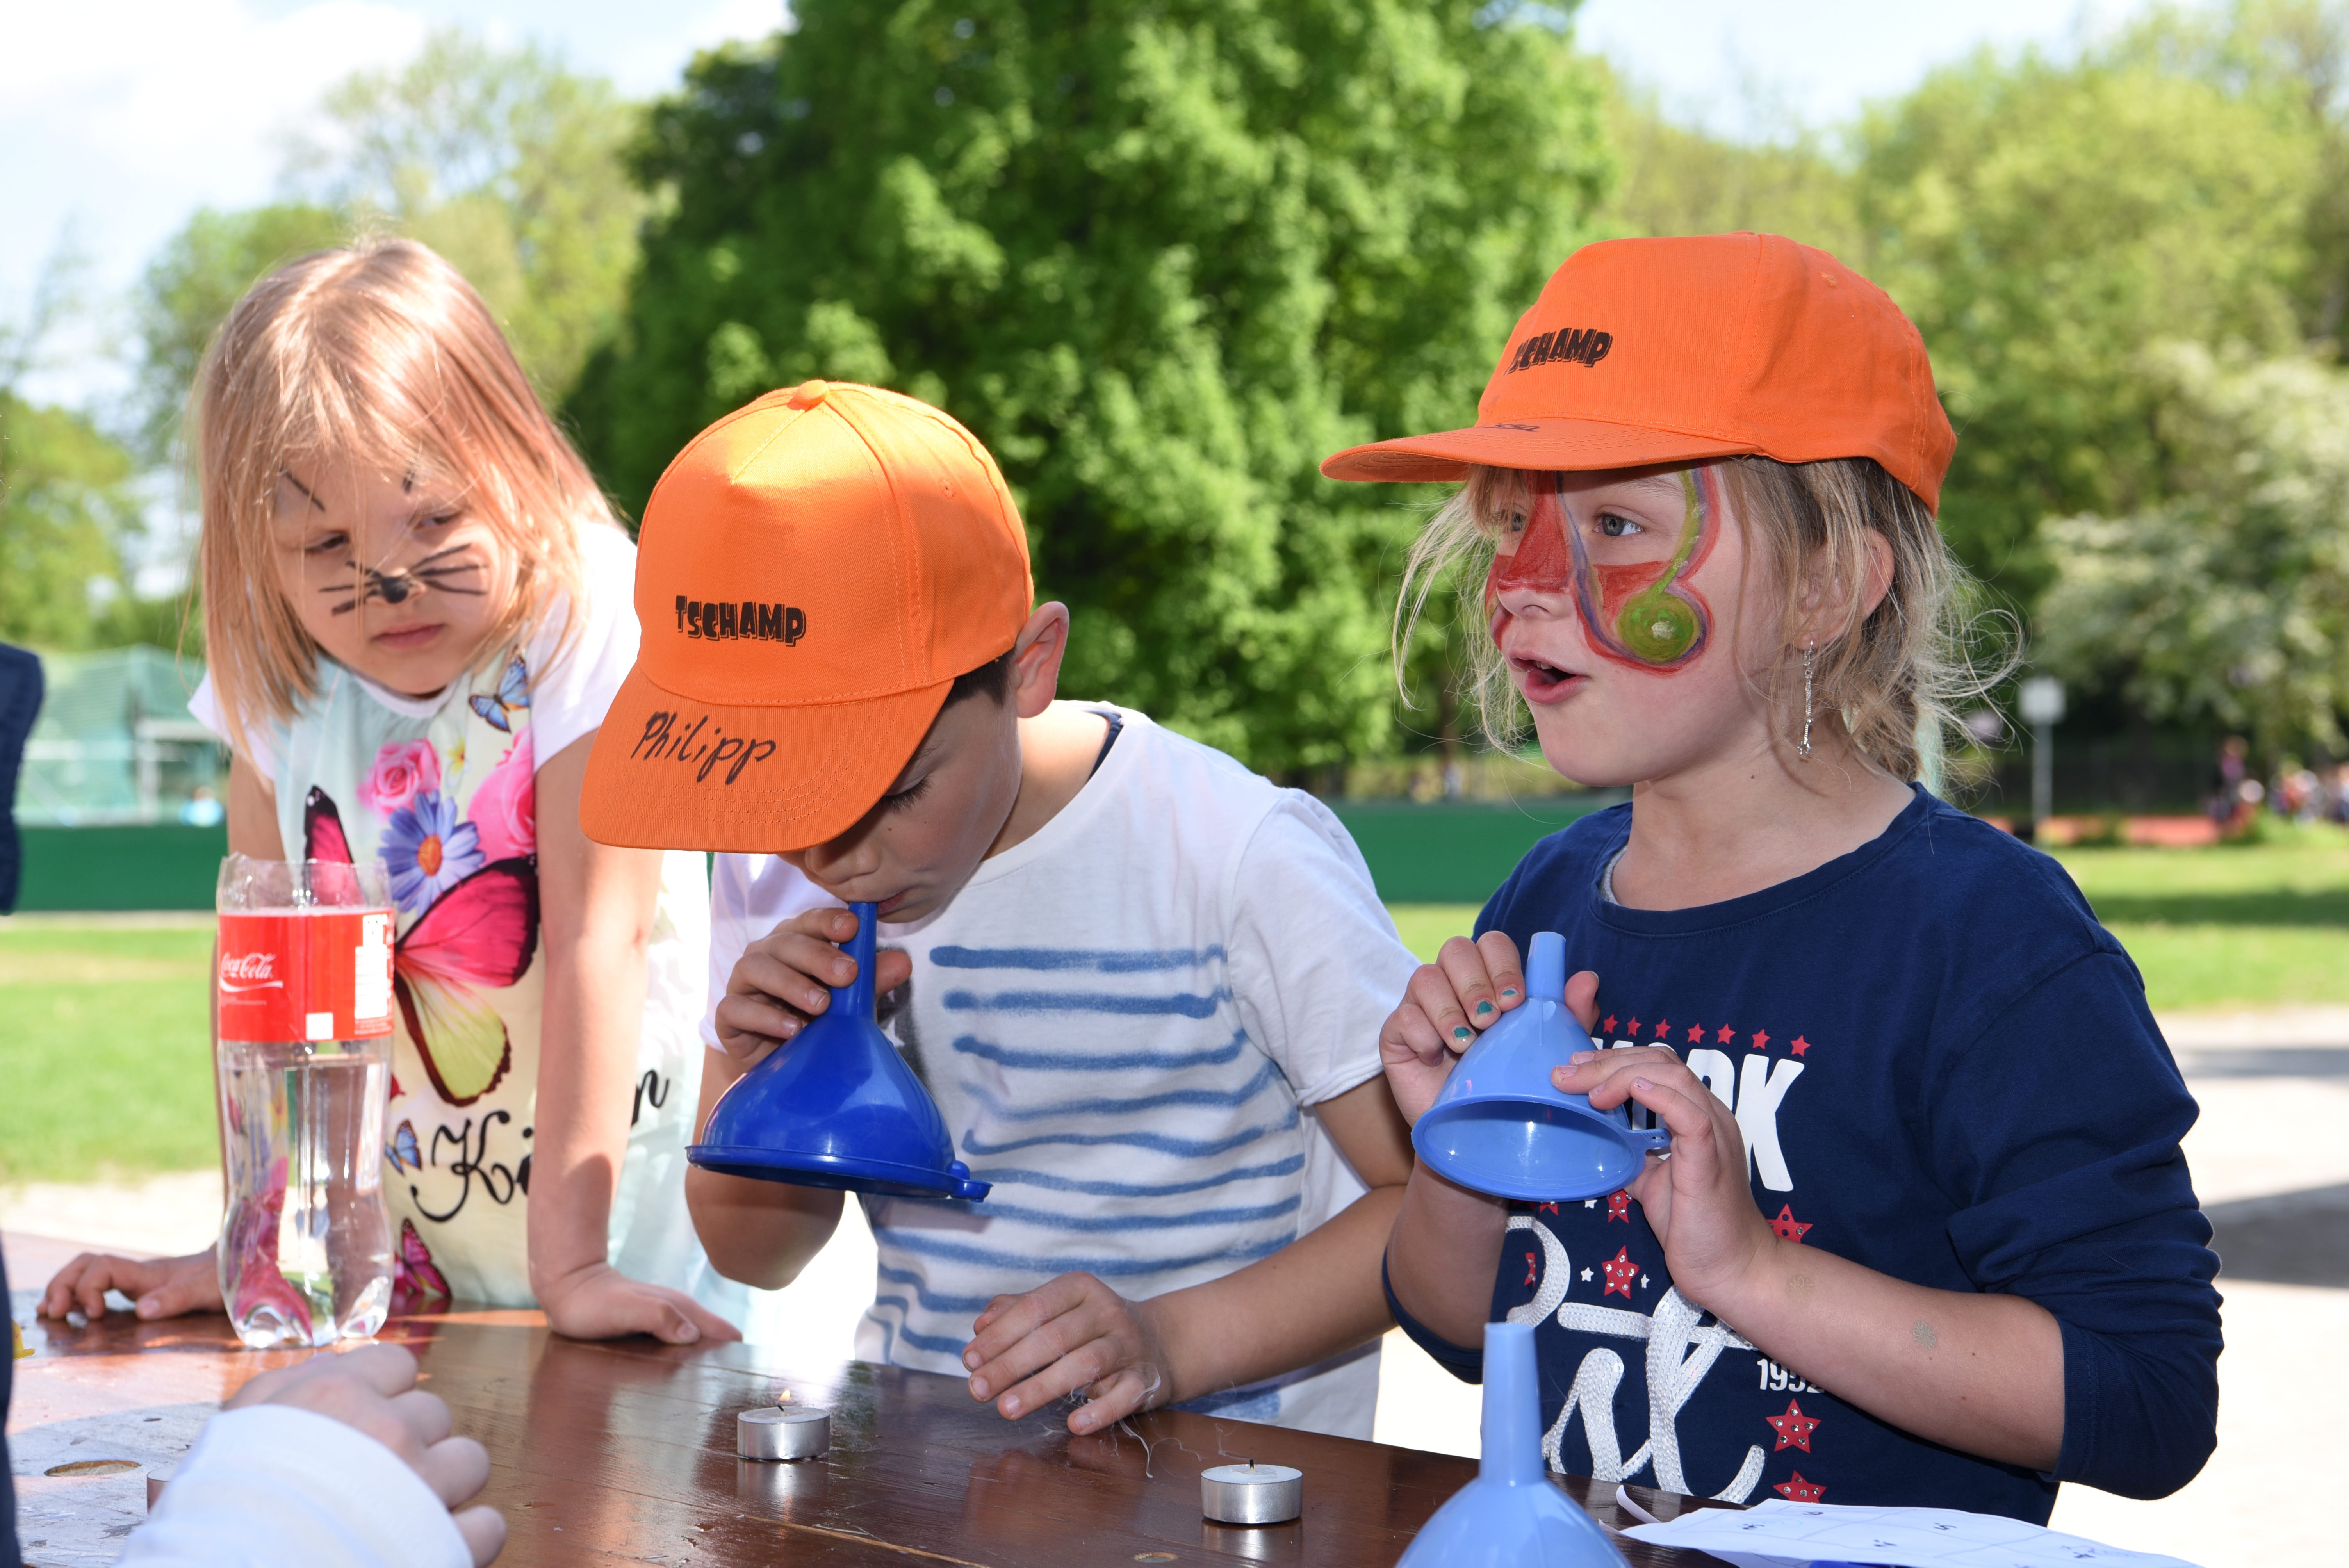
(1144, 985)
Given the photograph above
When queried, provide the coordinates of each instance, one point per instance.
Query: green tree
(66, 507)
(501, 159)
(1680, 179)
(1161, 258)
(66, 502)
(2229, 600)
(2042, 223)
(509, 164)
(189, 288)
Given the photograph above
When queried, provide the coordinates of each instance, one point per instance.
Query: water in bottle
(304, 1001)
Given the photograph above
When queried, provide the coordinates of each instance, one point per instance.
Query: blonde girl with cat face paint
(416, 609)
(1924, 1234)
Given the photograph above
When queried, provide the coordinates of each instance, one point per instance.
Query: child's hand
(1070, 1336)
(1698, 1202)
(160, 1287)
(601, 1303)
(1467, 989)
(780, 981)
(373, 1390)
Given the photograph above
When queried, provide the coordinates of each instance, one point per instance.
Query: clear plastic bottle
(302, 1005)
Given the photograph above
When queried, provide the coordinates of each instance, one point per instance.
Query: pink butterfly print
(415, 1282)
(481, 933)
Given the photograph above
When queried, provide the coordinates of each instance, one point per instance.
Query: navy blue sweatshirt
(1944, 1069)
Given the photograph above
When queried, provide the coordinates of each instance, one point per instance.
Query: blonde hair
(378, 354)
(1886, 674)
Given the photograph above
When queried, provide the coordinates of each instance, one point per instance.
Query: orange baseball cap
(1677, 350)
(812, 573)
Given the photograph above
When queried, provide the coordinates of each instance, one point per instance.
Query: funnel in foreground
(837, 1107)
(1511, 1515)
(1499, 1125)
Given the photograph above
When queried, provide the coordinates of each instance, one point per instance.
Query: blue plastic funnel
(1499, 1126)
(837, 1107)
(1511, 1516)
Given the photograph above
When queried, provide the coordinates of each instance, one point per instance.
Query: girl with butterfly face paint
(416, 609)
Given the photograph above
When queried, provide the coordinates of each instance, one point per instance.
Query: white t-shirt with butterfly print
(441, 788)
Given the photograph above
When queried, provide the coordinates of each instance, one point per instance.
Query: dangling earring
(1803, 747)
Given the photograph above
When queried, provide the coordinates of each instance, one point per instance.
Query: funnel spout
(1545, 968)
(855, 998)
(1512, 1427)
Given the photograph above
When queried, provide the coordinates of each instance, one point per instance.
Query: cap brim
(1567, 446)
(672, 773)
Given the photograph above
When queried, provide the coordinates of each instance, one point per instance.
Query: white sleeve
(572, 685)
(205, 709)
(1315, 963)
(749, 896)
(271, 1484)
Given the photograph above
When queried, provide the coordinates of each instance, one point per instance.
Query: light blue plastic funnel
(1500, 1126)
(837, 1107)
(1512, 1515)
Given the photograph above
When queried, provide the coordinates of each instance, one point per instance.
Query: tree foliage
(501, 159)
(2229, 600)
(67, 506)
(1679, 179)
(191, 285)
(2043, 224)
(509, 164)
(1161, 258)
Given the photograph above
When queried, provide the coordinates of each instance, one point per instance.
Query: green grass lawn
(103, 1051)
(2254, 925)
(103, 1054)
(2251, 924)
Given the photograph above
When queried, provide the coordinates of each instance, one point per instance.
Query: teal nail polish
(1509, 991)
(1461, 1032)
(1482, 1008)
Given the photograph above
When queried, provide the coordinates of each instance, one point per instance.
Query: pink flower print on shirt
(401, 768)
(504, 809)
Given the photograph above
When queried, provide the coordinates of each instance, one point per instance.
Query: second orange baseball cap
(812, 573)
(1679, 350)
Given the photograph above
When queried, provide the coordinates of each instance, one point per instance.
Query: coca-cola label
(305, 974)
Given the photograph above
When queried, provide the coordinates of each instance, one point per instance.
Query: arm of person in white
(339, 1462)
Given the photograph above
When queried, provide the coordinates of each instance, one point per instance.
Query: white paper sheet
(1779, 1531)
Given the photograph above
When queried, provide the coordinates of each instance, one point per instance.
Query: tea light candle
(1252, 1493)
(771, 1433)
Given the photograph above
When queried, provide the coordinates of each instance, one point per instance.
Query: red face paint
(1543, 561)
(1641, 614)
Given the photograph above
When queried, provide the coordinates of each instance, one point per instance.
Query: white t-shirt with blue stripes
(1127, 1020)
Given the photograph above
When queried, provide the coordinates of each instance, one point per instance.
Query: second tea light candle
(1252, 1493)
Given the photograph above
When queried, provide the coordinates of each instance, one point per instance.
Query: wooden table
(623, 1451)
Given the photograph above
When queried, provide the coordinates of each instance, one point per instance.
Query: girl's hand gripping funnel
(1511, 1515)
(1500, 1126)
(837, 1107)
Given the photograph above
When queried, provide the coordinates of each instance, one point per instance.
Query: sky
(119, 118)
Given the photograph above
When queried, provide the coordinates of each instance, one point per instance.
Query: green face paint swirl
(1643, 614)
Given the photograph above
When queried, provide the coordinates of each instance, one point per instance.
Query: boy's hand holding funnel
(838, 1110)
(785, 981)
